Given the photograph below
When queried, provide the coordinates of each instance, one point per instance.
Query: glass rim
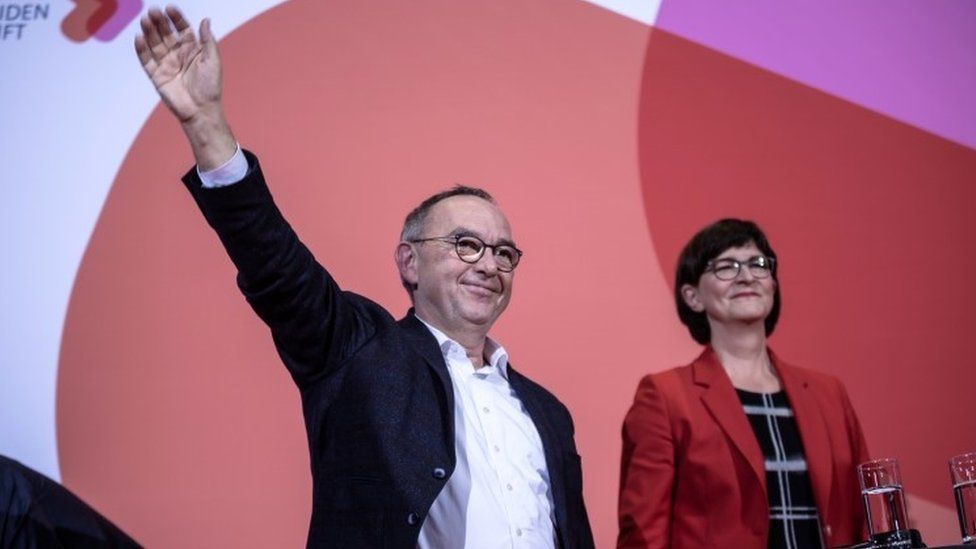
(877, 463)
(963, 457)
(962, 469)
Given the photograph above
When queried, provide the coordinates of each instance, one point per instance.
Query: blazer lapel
(720, 399)
(425, 344)
(813, 431)
(550, 446)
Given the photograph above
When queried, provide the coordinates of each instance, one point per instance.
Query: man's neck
(472, 340)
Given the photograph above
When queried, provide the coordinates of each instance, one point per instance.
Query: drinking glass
(884, 499)
(963, 471)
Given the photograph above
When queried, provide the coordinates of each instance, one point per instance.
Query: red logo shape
(103, 19)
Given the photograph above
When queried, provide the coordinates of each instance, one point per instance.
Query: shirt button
(439, 473)
(485, 409)
(413, 519)
(509, 486)
(518, 532)
(827, 530)
(497, 449)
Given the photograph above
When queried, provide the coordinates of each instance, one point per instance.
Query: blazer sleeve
(647, 471)
(314, 324)
(859, 454)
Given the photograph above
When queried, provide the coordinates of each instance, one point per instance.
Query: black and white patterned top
(793, 519)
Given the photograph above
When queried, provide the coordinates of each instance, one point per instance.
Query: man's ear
(406, 261)
(690, 294)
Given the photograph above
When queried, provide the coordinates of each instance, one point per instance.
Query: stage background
(132, 370)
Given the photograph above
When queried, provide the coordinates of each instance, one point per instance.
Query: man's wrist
(228, 173)
(210, 137)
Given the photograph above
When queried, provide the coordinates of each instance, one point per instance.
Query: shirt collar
(497, 356)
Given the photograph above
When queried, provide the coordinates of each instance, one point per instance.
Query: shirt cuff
(228, 173)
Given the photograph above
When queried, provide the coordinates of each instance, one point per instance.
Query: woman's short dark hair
(706, 246)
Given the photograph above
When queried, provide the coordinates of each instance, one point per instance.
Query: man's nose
(487, 262)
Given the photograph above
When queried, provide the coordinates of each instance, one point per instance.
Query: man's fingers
(147, 29)
(160, 21)
(168, 45)
(176, 16)
(142, 50)
(150, 41)
(170, 38)
(151, 31)
(145, 56)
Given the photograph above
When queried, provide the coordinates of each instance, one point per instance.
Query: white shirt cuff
(228, 173)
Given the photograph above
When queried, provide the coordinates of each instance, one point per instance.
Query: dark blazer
(36, 512)
(693, 473)
(376, 393)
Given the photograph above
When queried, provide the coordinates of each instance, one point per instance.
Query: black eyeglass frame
(456, 240)
(765, 264)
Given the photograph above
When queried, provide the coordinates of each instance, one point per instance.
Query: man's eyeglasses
(728, 269)
(471, 248)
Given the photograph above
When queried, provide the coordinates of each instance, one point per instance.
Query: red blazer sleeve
(859, 453)
(647, 471)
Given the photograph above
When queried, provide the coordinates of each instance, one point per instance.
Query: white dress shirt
(499, 494)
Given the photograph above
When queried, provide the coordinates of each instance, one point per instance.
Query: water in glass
(885, 507)
(966, 508)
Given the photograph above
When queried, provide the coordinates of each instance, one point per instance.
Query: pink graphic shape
(103, 19)
(913, 61)
(872, 222)
(125, 12)
(86, 17)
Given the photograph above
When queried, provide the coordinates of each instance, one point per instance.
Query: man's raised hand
(186, 72)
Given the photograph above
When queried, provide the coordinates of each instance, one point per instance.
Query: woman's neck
(742, 352)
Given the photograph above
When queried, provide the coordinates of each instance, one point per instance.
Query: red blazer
(692, 472)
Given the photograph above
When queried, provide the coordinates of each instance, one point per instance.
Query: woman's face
(743, 300)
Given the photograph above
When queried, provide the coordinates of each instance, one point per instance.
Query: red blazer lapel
(719, 397)
(813, 430)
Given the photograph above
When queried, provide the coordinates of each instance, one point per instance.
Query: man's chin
(480, 320)
(480, 315)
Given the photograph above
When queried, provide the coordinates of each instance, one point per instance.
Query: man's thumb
(207, 37)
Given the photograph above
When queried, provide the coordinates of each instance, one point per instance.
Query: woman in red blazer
(738, 448)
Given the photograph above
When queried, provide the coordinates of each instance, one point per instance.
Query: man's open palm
(186, 72)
